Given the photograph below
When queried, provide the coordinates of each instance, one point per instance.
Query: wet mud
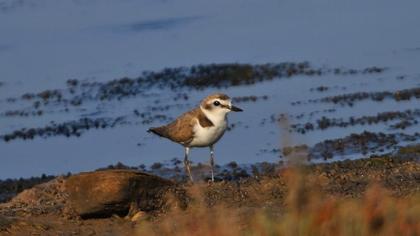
(402, 120)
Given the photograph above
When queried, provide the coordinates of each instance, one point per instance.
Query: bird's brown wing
(180, 130)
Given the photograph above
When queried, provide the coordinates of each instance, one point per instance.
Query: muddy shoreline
(399, 175)
(235, 173)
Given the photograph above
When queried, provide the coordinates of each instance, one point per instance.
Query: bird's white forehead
(223, 101)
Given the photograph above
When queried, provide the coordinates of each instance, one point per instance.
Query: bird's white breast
(206, 136)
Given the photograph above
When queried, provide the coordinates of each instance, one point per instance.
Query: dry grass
(304, 210)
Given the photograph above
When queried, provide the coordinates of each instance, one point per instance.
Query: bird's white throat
(218, 117)
(205, 136)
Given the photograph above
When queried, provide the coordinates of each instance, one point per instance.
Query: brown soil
(348, 179)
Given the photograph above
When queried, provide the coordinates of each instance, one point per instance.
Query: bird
(202, 126)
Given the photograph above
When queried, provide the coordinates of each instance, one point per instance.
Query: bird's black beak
(236, 109)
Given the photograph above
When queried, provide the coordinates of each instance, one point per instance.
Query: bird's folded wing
(182, 129)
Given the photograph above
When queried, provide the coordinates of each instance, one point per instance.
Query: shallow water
(45, 43)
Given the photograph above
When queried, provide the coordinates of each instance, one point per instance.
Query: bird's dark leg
(212, 162)
(187, 163)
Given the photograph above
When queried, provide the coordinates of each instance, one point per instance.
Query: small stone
(138, 216)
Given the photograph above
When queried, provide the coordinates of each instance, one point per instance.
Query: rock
(138, 216)
(97, 194)
(123, 192)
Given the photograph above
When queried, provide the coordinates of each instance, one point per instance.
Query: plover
(201, 127)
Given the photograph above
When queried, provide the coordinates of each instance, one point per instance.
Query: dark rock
(97, 194)
(105, 193)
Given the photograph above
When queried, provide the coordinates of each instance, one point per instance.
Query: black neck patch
(204, 121)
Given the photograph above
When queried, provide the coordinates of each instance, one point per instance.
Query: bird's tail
(158, 131)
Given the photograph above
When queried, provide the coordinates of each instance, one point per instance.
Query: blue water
(43, 43)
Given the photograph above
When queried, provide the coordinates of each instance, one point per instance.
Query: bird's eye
(216, 103)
